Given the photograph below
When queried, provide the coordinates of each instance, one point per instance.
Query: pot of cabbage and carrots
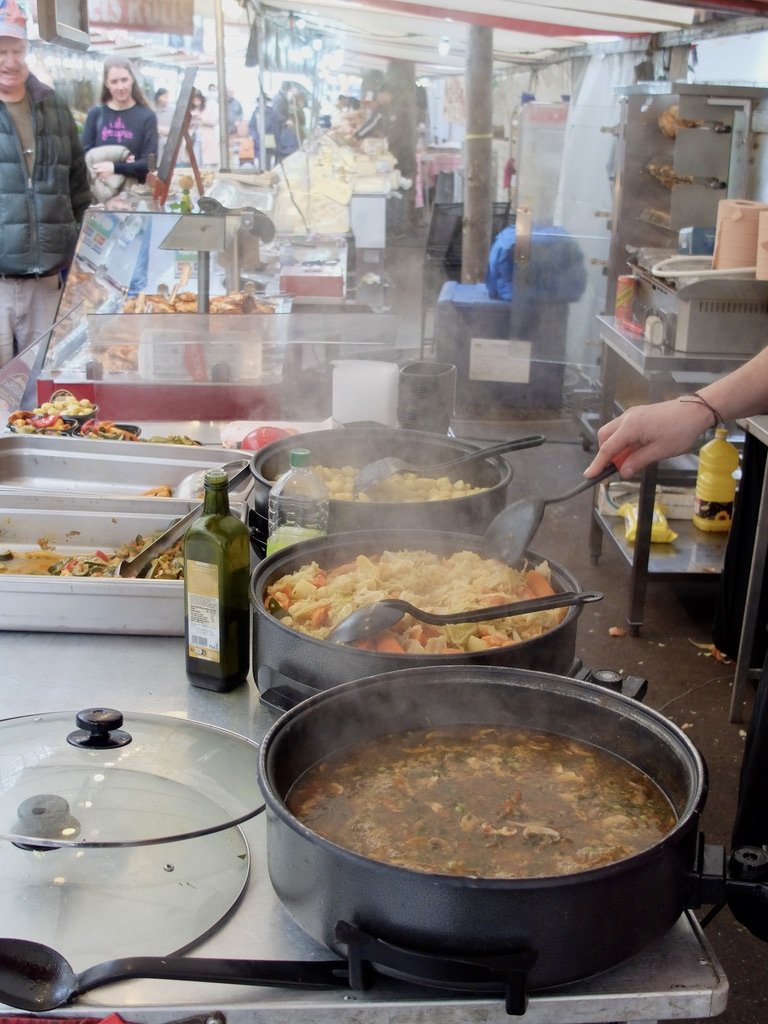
(299, 594)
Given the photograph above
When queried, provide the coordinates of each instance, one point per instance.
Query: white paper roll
(761, 262)
(736, 233)
(364, 389)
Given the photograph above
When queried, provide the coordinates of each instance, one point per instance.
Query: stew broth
(481, 801)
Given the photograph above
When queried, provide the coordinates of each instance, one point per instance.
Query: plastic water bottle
(298, 505)
(217, 616)
(715, 484)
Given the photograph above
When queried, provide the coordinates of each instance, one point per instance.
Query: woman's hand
(654, 432)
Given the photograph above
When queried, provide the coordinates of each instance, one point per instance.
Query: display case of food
(169, 316)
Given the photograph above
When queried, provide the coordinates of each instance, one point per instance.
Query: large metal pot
(577, 925)
(357, 446)
(321, 663)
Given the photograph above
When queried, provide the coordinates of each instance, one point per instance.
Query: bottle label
(203, 617)
(717, 511)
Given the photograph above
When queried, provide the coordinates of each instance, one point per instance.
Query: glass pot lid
(93, 779)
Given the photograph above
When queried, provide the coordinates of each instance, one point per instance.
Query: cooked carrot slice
(319, 615)
(539, 584)
(389, 644)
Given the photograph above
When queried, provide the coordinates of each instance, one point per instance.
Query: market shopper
(164, 111)
(44, 187)
(123, 118)
(281, 107)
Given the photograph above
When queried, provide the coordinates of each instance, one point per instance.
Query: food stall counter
(677, 977)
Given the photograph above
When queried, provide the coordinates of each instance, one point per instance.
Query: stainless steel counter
(678, 977)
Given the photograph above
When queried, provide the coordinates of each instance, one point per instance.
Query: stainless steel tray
(76, 466)
(86, 605)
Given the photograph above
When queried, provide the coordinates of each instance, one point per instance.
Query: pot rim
(497, 675)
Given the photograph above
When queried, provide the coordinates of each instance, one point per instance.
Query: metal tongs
(130, 568)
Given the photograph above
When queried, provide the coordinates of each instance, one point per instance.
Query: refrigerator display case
(168, 315)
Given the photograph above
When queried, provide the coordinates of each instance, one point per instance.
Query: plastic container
(298, 505)
(715, 484)
(217, 616)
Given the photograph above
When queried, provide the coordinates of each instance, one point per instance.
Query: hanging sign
(172, 16)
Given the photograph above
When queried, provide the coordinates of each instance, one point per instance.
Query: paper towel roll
(736, 233)
(365, 389)
(762, 247)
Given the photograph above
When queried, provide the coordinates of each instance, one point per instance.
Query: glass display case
(187, 314)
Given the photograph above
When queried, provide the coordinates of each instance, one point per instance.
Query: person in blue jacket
(123, 118)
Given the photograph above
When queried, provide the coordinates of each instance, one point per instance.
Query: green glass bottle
(217, 614)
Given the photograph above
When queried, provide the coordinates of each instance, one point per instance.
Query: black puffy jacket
(40, 218)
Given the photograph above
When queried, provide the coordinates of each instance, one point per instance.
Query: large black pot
(357, 446)
(321, 663)
(577, 925)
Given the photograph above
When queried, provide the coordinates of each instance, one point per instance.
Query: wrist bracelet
(696, 397)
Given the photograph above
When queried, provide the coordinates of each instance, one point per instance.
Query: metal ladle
(35, 977)
(372, 619)
(374, 472)
(510, 532)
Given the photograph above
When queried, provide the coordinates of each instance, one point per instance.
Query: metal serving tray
(75, 466)
(86, 605)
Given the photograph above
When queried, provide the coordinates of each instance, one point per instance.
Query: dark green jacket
(40, 218)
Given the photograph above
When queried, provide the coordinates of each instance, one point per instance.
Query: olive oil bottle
(216, 605)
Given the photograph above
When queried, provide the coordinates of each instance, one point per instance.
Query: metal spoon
(372, 619)
(130, 568)
(37, 978)
(511, 531)
(374, 472)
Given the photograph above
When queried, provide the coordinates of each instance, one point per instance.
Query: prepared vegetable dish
(315, 598)
(110, 431)
(168, 565)
(482, 801)
(24, 421)
(398, 487)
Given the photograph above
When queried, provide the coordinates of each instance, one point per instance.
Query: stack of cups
(736, 234)
(426, 396)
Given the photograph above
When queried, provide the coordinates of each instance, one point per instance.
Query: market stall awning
(433, 33)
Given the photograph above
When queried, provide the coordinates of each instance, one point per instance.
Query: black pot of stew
(299, 593)
(407, 804)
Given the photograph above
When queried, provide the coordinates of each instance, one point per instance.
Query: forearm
(660, 431)
(744, 392)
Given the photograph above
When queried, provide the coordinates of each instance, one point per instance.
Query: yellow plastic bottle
(715, 484)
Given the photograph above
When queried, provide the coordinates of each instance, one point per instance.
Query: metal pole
(224, 156)
(478, 196)
(261, 101)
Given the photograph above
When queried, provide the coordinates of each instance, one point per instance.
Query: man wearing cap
(44, 188)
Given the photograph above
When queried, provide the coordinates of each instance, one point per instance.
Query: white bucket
(365, 390)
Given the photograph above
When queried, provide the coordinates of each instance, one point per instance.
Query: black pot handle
(279, 692)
